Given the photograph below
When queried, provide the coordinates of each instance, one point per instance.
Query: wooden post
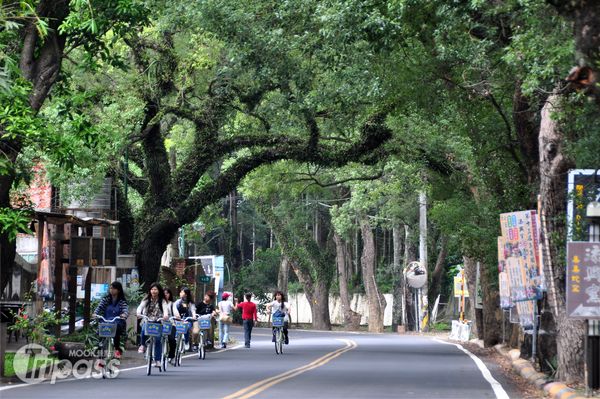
(58, 276)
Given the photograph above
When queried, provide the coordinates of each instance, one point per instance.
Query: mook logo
(33, 365)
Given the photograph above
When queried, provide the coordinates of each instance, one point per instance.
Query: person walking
(173, 312)
(249, 317)
(225, 308)
(280, 307)
(114, 305)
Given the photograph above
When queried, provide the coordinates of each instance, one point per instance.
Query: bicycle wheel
(277, 331)
(150, 348)
(280, 341)
(102, 356)
(180, 349)
(109, 355)
(201, 349)
(165, 353)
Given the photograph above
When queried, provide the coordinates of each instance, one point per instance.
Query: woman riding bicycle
(172, 313)
(155, 308)
(114, 305)
(206, 307)
(280, 307)
(186, 308)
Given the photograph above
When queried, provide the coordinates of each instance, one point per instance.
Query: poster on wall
(583, 186)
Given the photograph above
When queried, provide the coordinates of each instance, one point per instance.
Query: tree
(37, 38)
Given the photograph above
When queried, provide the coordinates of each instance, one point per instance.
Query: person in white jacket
(155, 308)
(173, 312)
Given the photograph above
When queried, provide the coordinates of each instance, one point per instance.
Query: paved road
(314, 365)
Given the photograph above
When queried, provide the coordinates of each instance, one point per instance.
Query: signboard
(583, 280)
(521, 241)
(460, 285)
(204, 279)
(583, 187)
(504, 286)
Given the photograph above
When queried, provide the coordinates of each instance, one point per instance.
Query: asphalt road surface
(314, 365)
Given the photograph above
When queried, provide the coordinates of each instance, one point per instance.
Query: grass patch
(23, 365)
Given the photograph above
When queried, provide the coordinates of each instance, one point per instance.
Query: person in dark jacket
(114, 305)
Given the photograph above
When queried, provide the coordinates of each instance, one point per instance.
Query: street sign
(583, 280)
(204, 279)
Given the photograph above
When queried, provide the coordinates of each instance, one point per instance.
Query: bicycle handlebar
(109, 321)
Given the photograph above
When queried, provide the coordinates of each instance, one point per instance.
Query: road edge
(553, 389)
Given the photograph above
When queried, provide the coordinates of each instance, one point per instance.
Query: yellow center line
(262, 385)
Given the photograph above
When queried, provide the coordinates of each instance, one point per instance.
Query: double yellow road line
(260, 386)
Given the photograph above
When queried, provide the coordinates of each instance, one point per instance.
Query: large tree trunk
(351, 318)
(375, 299)
(554, 167)
(319, 309)
(398, 318)
(150, 249)
(492, 314)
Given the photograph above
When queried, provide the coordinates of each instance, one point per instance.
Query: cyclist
(114, 305)
(206, 307)
(277, 307)
(186, 308)
(172, 310)
(249, 316)
(154, 307)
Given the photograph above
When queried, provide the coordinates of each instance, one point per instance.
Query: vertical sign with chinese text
(583, 280)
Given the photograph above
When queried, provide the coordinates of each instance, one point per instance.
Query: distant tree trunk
(375, 299)
(283, 275)
(438, 271)
(470, 279)
(351, 318)
(398, 283)
(554, 166)
(150, 248)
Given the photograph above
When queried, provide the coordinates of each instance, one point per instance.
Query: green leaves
(14, 221)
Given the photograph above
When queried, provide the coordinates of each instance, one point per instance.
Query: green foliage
(13, 221)
(259, 277)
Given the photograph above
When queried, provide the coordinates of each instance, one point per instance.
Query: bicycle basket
(181, 327)
(204, 324)
(278, 321)
(166, 328)
(107, 330)
(153, 329)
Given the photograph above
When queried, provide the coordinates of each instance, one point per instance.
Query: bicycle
(278, 323)
(204, 322)
(153, 329)
(164, 343)
(107, 330)
(181, 328)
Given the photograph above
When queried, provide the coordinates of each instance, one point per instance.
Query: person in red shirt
(249, 316)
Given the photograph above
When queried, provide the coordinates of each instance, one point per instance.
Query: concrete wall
(301, 309)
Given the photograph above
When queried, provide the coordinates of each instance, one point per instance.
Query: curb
(553, 389)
